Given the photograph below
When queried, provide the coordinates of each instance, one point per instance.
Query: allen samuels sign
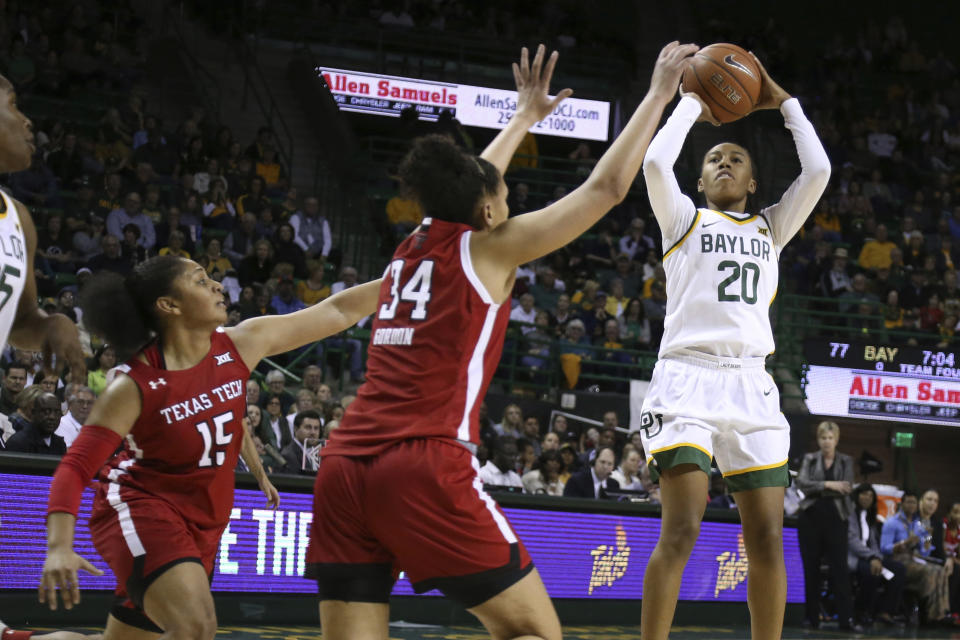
(473, 106)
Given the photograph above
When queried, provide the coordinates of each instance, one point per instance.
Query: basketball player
(710, 395)
(162, 504)
(398, 488)
(6, 633)
(22, 323)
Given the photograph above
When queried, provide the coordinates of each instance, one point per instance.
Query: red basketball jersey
(435, 344)
(184, 446)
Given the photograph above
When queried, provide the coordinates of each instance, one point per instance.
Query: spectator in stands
(40, 436)
(951, 549)
(274, 417)
(285, 249)
(550, 442)
(14, 380)
(547, 288)
(216, 264)
(104, 359)
(257, 268)
(240, 242)
(275, 385)
(285, 301)
(594, 481)
(271, 170)
(313, 289)
(826, 478)
(627, 474)
(499, 470)
(636, 243)
(915, 252)
(175, 245)
(837, 280)
(905, 540)
(35, 186)
(586, 298)
(131, 213)
(866, 560)
(253, 392)
(312, 229)
(54, 244)
(264, 433)
(265, 138)
(634, 326)
(79, 402)
(562, 313)
(348, 278)
(66, 163)
(655, 309)
(915, 292)
(519, 199)
(525, 312)
(403, 214)
(545, 479)
(218, 209)
(130, 249)
(859, 292)
(254, 200)
(512, 422)
(23, 415)
(527, 456)
(876, 253)
(537, 342)
(313, 380)
(531, 431)
(306, 436)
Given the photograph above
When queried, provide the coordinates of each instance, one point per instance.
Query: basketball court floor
(402, 631)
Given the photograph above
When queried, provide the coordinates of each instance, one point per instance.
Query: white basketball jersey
(13, 264)
(722, 276)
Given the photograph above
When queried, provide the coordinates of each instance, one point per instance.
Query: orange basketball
(727, 78)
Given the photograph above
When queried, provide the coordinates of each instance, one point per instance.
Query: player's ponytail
(121, 309)
(447, 182)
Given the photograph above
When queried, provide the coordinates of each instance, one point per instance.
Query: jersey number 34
(416, 290)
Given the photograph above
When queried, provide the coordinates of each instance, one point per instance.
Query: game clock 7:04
(874, 356)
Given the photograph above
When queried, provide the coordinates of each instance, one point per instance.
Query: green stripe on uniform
(671, 458)
(776, 477)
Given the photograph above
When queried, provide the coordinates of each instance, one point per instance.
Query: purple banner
(579, 555)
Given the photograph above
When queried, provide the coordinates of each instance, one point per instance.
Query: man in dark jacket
(306, 436)
(594, 481)
(40, 436)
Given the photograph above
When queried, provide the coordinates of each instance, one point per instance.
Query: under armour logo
(223, 358)
(156, 384)
(651, 423)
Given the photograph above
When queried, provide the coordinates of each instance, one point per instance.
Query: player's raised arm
(532, 235)
(533, 105)
(787, 216)
(257, 338)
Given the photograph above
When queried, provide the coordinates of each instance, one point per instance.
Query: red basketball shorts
(140, 537)
(419, 507)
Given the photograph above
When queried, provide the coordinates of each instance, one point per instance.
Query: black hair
(753, 165)
(523, 443)
(907, 494)
(447, 182)
(600, 450)
(15, 365)
(503, 441)
(303, 415)
(121, 309)
(872, 509)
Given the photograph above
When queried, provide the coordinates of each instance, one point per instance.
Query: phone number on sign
(551, 123)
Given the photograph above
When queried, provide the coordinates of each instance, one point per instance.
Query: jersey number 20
(416, 290)
(749, 276)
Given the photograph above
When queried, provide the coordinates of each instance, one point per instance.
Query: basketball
(727, 78)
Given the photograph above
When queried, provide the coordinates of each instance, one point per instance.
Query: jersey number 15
(416, 290)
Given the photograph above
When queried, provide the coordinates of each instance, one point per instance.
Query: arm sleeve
(673, 210)
(90, 450)
(854, 541)
(787, 216)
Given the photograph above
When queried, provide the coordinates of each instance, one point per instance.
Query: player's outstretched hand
(62, 339)
(772, 95)
(673, 59)
(273, 496)
(60, 572)
(533, 84)
(706, 115)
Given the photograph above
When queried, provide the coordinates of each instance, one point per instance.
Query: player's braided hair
(121, 309)
(447, 182)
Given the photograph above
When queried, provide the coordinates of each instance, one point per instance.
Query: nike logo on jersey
(705, 225)
(768, 391)
(156, 384)
(223, 358)
(730, 60)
